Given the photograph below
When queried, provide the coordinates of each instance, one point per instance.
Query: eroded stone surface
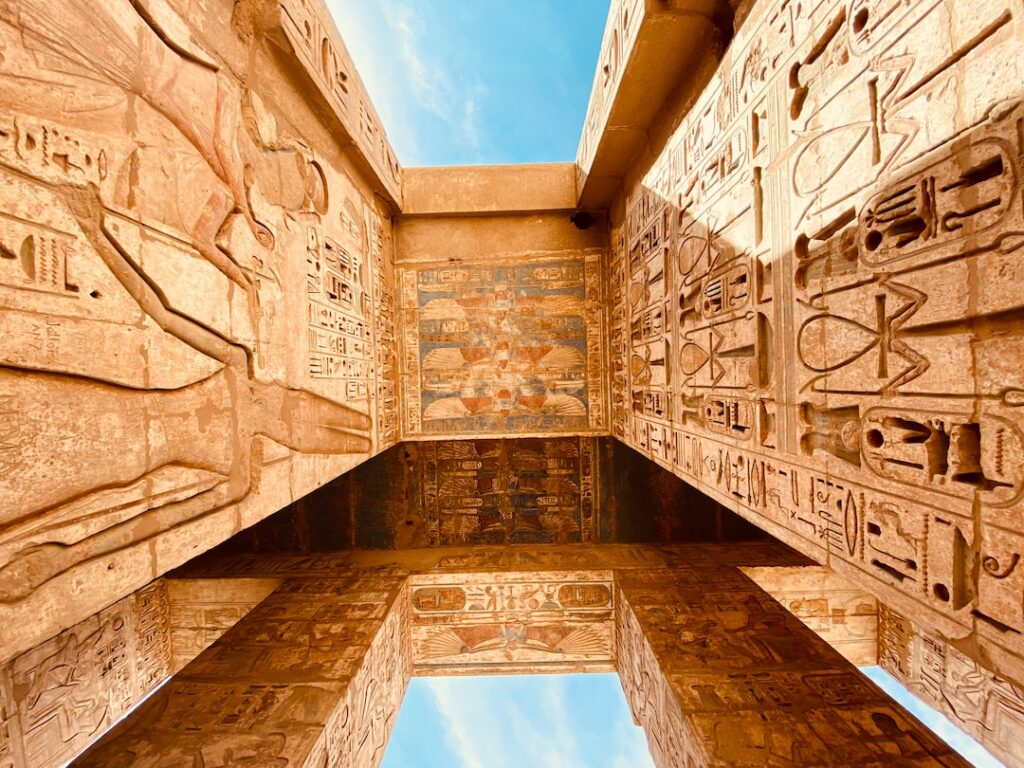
(525, 491)
(201, 610)
(533, 623)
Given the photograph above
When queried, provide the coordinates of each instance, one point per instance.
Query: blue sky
(541, 721)
(468, 82)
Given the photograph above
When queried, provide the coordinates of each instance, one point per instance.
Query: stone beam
(312, 676)
(841, 613)
(541, 622)
(489, 190)
(307, 38)
(717, 671)
(201, 610)
(58, 697)
(651, 50)
(719, 674)
(807, 333)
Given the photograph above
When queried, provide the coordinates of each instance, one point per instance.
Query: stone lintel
(647, 50)
(488, 190)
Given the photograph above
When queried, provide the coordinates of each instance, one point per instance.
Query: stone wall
(818, 315)
(196, 281)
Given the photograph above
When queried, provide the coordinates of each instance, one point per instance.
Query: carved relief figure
(185, 394)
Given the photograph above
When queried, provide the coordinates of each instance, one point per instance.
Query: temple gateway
(730, 405)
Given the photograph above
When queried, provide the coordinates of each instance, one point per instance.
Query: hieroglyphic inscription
(362, 725)
(339, 305)
(519, 491)
(624, 17)
(312, 676)
(845, 331)
(63, 694)
(650, 696)
(513, 349)
(76, 685)
(845, 616)
(385, 319)
(153, 635)
(618, 336)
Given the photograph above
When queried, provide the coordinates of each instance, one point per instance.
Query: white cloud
(430, 82)
(473, 729)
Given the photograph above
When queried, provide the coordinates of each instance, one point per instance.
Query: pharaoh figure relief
(153, 208)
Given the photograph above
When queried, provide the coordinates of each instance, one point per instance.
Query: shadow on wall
(560, 490)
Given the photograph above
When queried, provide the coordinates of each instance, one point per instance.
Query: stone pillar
(312, 676)
(980, 702)
(718, 673)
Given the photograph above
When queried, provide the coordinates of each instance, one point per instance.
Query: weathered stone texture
(524, 491)
(845, 616)
(60, 696)
(520, 623)
(719, 673)
(796, 288)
